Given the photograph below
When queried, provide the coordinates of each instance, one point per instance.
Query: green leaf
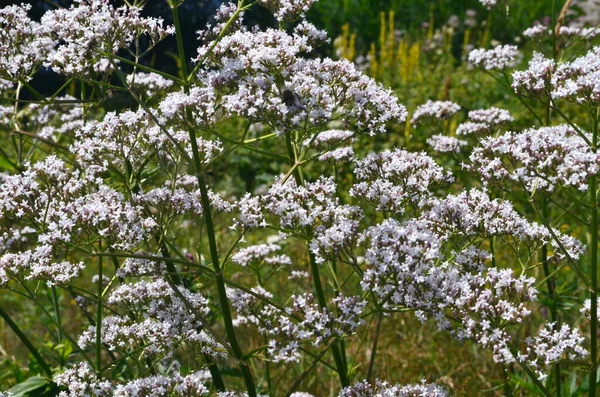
(35, 383)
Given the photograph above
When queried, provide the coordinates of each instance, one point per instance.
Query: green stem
(220, 280)
(307, 371)
(543, 258)
(531, 375)
(335, 347)
(99, 321)
(142, 67)
(507, 389)
(180, 48)
(34, 352)
(58, 321)
(210, 230)
(374, 349)
(215, 373)
(594, 271)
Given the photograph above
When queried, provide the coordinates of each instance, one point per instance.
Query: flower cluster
(93, 27)
(540, 159)
(382, 388)
(433, 111)
(170, 320)
(445, 144)
(312, 91)
(81, 380)
(303, 322)
(70, 41)
(536, 79)
(578, 80)
(473, 213)
(551, 345)
(492, 116)
(330, 137)
(65, 209)
(24, 43)
(540, 31)
(224, 14)
(152, 85)
(333, 226)
(498, 58)
(287, 10)
(391, 180)
(260, 253)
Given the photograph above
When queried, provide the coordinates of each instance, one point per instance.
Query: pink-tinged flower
(287, 10)
(536, 79)
(434, 111)
(446, 144)
(396, 180)
(90, 27)
(579, 80)
(498, 58)
(382, 388)
(540, 159)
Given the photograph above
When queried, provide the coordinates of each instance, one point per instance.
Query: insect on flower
(291, 99)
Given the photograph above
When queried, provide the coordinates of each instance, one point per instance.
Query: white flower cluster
(385, 389)
(314, 205)
(90, 27)
(492, 116)
(24, 43)
(81, 380)
(578, 80)
(223, 15)
(261, 253)
(166, 324)
(472, 128)
(136, 267)
(540, 159)
(474, 213)
(536, 31)
(312, 92)
(540, 31)
(304, 322)
(551, 345)
(128, 139)
(287, 10)
(339, 155)
(317, 325)
(408, 266)
(250, 213)
(391, 180)
(489, 4)
(484, 121)
(498, 58)
(434, 111)
(330, 137)
(575, 81)
(152, 85)
(201, 101)
(446, 144)
(536, 79)
(53, 120)
(60, 203)
(70, 41)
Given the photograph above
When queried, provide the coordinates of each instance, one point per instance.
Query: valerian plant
(185, 289)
